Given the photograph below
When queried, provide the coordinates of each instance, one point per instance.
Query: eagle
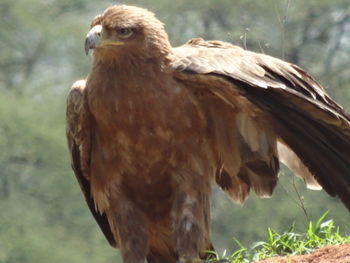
(152, 128)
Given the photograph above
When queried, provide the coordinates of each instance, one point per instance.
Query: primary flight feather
(153, 127)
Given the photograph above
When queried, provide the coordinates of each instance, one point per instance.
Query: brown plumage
(153, 127)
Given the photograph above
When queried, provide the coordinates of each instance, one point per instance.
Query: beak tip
(87, 46)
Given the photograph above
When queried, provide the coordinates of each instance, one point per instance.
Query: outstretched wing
(274, 110)
(78, 129)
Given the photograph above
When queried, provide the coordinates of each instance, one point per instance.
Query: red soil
(329, 254)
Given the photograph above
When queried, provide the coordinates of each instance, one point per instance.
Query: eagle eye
(124, 32)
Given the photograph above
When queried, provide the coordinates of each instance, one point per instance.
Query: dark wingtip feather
(101, 219)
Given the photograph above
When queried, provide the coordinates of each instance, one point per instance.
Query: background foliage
(43, 216)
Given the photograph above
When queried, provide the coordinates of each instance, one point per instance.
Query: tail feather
(289, 158)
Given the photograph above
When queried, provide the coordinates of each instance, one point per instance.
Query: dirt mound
(329, 254)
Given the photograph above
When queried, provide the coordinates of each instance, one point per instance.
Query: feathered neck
(131, 64)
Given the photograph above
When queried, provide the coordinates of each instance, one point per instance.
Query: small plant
(319, 234)
(238, 256)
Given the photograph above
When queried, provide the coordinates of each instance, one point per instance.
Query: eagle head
(127, 31)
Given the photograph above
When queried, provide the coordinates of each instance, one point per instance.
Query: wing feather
(285, 104)
(78, 133)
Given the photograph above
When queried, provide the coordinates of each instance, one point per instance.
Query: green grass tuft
(317, 235)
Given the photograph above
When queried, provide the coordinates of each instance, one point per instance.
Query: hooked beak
(94, 40)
